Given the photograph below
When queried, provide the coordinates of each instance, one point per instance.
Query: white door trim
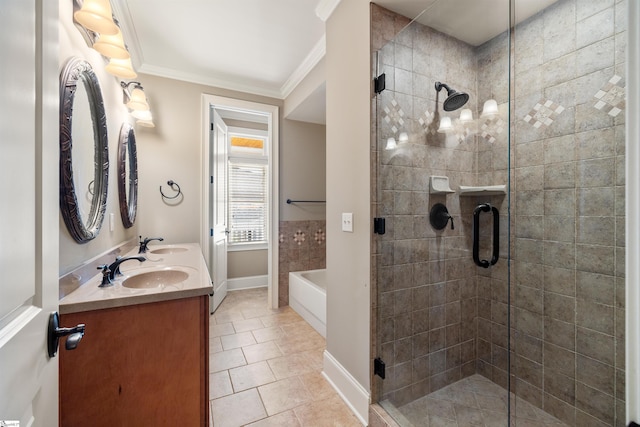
(209, 101)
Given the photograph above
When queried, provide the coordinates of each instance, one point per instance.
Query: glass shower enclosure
(498, 192)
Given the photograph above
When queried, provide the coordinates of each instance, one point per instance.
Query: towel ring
(171, 184)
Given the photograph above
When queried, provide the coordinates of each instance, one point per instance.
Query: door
(218, 210)
(29, 210)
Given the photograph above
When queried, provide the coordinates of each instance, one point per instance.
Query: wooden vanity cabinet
(138, 365)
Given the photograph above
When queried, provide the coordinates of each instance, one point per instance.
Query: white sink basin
(154, 279)
(169, 250)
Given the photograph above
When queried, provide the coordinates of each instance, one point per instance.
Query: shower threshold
(472, 401)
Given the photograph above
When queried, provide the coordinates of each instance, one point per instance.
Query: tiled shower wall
(567, 205)
(425, 304)
(568, 228)
(301, 247)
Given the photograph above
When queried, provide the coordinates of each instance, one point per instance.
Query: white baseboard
(247, 282)
(350, 390)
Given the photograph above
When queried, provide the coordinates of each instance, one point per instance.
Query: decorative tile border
(393, 116)
(492, 127)
(543, 113)
(425, 120)
(302, 246)
(611, 97)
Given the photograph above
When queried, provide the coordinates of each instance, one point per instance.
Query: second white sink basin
(154, 279)
(168, 250)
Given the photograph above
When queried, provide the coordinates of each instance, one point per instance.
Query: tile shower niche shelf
(485, 190)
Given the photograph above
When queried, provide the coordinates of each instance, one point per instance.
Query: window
(248, 190)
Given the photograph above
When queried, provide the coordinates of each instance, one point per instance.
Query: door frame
(272, 111)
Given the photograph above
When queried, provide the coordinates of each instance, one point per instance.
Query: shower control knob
(439, 217)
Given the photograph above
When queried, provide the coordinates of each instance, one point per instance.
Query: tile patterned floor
(265, 368)
(473, 401)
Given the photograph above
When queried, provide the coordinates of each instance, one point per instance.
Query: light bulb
(142, 114)
(138, 101)
(445, 125)
(96, 16)
(112, 46)
(490, 108)
(466, 115)
(121, 68)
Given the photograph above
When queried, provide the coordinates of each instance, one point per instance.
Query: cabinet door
(139, 365)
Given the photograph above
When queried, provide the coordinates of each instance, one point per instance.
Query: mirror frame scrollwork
(127, 146)
(78, 70)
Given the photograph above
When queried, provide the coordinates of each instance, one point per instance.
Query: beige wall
(72, 43)
(246, 264)
(348, 183)
(172, 151)
(302, 170)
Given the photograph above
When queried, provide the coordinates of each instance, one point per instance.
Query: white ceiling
(472, 21)
(254, 46)
(266, 47)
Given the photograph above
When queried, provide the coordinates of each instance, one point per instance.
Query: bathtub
(308, 297)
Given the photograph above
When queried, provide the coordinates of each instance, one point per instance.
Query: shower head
(454, 99)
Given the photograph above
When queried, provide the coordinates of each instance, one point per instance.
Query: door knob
(54, 333)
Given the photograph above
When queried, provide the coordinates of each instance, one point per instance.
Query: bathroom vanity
(144, 358)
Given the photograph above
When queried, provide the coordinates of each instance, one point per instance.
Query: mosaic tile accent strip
(492, 127)
(299, 237)
(425, 120)
(319, 236)
(543, 113)
(462, 130)
(393, 116)
(302, 246)
(611, 98)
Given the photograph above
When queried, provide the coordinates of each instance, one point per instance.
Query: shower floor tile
(473, 401)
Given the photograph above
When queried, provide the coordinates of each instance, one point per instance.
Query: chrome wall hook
(175, 187)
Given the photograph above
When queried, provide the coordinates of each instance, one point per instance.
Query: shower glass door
(500, 263)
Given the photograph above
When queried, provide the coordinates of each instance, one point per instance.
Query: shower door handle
(486, 207)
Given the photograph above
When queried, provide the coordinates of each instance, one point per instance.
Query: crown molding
(325, 8)
(221, 83)
(311, 60)
(121, 12)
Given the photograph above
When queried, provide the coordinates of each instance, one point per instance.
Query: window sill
(239, 247)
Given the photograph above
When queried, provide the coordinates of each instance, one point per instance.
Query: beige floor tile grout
(283, 330)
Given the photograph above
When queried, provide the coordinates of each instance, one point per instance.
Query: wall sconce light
(391, 144)
(403, 138)
(96, 15)
(121, 68)
(146, 123)
(112, 46)
(445, 125)
(136, 100)
(144, 118)
(490, 108)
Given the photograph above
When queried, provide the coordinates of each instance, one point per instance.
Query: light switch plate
(347, 222)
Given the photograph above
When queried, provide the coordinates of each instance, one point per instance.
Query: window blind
(247, 202)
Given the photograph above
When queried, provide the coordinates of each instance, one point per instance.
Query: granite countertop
(185, 257)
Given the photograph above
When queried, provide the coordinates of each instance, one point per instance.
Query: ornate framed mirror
(84, 151)
(127, 175)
